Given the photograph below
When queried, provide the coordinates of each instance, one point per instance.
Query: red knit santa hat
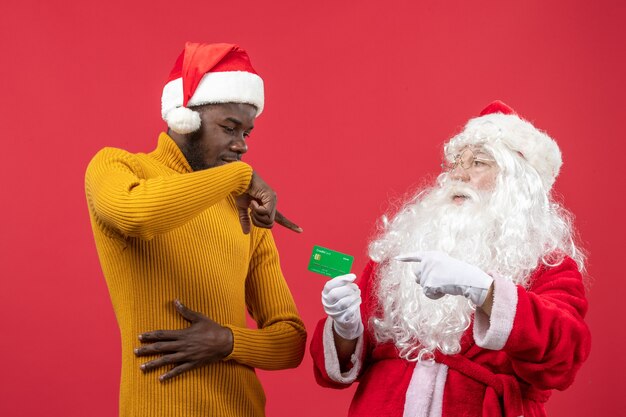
(499, 122)
(208, 74)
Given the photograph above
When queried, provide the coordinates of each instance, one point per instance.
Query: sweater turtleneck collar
(168, 153)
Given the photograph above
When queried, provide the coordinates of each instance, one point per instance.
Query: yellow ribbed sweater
(164, 232)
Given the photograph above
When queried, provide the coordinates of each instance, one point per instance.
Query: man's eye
(246, 134)
(228, 129)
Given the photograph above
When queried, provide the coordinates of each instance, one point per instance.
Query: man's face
(222, 136)
(474, 167)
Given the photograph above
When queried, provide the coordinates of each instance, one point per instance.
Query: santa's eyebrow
(482, 152)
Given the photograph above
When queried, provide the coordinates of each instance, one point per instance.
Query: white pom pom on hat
(519, 135)
(208, 74)
(183, 120)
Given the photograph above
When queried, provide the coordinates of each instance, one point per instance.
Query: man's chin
(226, 161)
(218, 163)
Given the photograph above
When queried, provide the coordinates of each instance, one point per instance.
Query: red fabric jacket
(548, 343)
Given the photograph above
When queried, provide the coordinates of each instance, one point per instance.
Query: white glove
(440, 274)
(341, 299)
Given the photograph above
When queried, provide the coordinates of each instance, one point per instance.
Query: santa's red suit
(534, 342)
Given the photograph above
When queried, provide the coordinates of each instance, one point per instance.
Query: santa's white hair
(508, 231)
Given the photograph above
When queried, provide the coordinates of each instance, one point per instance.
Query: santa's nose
(459, 174)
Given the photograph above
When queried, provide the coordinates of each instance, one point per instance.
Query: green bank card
(329, 262)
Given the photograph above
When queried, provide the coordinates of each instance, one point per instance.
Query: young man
(184, 242)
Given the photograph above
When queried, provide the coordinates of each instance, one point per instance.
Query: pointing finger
(409, 258)
(285, 222)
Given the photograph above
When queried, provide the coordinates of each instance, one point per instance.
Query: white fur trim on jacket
(331, 360)
(424, 396)
(216, 87)
(493, 332)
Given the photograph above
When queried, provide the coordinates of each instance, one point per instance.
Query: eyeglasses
(467, 160)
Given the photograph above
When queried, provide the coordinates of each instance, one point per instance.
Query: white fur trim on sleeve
(331, 361)
(493, 332)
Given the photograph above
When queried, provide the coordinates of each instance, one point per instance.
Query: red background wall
(360, 98)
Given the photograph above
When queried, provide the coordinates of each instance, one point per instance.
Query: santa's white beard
(472, 232)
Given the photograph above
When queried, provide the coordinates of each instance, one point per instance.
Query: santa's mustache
(452, 189)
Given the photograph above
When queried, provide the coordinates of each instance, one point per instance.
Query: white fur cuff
(331, 361)
(493, 332)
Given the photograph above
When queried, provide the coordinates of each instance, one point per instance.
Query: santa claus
(474, 301)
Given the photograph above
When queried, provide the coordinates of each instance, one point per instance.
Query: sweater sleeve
(122, 199)
(279, 341)
(548, 339)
